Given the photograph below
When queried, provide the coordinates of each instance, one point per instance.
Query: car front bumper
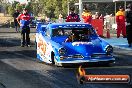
(81, 62)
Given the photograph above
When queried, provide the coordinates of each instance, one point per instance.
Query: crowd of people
(123, 21)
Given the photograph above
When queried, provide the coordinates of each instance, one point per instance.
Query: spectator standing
(60, 19)
(101, 17)
(111, 19)
(25, 29)
(120, 20)
(15, 15)
(97, 15)
(107, 21)
(129, 24)
(72, 17)
(87, 16)
(47, 20)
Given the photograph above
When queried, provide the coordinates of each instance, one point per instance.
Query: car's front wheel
(52, 58)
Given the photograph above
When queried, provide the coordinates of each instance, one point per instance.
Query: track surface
(19, 68)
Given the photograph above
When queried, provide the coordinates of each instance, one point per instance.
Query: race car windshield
(81, 34)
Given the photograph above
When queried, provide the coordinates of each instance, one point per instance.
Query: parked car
(71, 43)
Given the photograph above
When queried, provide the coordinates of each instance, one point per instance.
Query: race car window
(69, 31)
(47, 32)
(92, 32)
(57, 32)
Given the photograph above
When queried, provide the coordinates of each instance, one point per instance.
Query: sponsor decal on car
(79, 43)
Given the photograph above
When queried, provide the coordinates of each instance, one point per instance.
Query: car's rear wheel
(52, 58)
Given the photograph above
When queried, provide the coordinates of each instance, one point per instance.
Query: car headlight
(109, 49)
(62, 51)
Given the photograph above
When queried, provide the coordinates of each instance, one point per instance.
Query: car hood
(59, 40)
(83, 48)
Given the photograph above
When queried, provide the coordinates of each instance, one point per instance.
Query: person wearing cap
(72, 17)
(87, 16)
(15, 15)
(120, 20)
(25, 29)
(128, 16)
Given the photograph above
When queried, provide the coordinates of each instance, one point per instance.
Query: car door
(47, 45)
(40, 34)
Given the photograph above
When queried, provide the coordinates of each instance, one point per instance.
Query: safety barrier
(98, 26)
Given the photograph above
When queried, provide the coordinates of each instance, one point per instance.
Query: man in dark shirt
(128, 16)
(15, 15)
(72, 17)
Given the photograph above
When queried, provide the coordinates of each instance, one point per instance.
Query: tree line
(52, 8)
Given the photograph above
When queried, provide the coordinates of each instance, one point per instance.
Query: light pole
(125, 4)
(80, 9)
(115, 10)
(68, 7)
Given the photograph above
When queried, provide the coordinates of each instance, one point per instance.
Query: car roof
(69, 25)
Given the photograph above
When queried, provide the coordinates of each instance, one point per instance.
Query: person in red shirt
(120, 20)
(87, 16)
(72, 17)
(24, 21)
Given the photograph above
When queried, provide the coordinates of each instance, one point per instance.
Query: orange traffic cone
(108, 33)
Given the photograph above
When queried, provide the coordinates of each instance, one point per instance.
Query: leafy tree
(64, 9)
(38, 7)
(52, 8)
(14, 4)
(19, 6)
(10, 10)
(29, 7)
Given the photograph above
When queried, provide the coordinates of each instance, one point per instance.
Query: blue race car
(71, 43)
